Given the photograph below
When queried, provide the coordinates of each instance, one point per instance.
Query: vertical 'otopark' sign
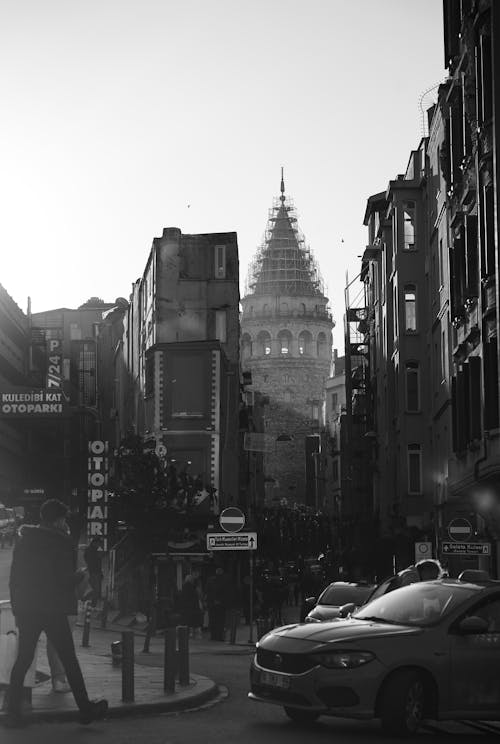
(97, 503)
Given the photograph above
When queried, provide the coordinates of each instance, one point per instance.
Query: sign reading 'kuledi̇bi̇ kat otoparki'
(32, 404)
(97, 508)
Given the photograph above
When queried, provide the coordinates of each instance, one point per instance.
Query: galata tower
(286, 344)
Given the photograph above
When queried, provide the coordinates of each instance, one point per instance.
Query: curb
(124, 710)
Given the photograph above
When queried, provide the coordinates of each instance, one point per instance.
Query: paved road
(234, 720)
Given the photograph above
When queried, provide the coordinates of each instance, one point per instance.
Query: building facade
(429, 325)
(471, 106)
(286, 346)
(14, 369)
(180, 358)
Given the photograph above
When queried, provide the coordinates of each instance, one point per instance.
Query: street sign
(239, 541)
(464, 548)
(459, 529)
(232, 519)
(423, 550)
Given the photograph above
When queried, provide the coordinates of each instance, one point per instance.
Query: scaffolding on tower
(284, 264)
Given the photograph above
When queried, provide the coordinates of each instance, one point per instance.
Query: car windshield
(421, 604)
(340, 595)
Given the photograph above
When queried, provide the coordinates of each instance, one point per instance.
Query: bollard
(183, 635)
(235, 619)
(150, 631)
(86, 625)
(116, 653)
(170, 660)
(128, 666)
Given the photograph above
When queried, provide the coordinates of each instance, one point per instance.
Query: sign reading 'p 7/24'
(238, 541)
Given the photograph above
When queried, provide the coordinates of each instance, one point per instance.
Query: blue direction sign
(466, 548)
(235, 541)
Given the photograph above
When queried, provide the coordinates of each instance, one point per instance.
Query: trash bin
(7, 628)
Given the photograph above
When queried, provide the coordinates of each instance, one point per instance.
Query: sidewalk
(104, 680)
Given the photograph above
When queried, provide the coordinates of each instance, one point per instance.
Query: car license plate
(274, 680)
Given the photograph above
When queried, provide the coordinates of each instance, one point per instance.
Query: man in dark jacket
(43, 579)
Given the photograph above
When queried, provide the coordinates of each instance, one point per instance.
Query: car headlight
(344, 659)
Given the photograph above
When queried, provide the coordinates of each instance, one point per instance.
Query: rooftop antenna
(282, 197)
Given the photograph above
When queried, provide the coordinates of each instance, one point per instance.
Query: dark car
(428, 650)
(336, 595)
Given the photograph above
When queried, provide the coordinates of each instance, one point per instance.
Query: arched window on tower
(285, 342)
(302, 309)
(266, 310)
(246, 346)
(288, 395)
(321, 345)
(264, 343)
(305, 343)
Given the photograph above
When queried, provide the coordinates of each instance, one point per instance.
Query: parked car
(428, 650)
(337, 594)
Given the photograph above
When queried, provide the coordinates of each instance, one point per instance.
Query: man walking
(42, 588)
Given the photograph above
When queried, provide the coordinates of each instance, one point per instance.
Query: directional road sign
(232, 519)
(466, 548)
(239, 541)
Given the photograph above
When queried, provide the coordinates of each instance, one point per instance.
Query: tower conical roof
(284, 264)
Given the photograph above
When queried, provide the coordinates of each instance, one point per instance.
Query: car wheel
(402, 703)
(297, 715)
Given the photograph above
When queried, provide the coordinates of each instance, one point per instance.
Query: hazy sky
(119, 114)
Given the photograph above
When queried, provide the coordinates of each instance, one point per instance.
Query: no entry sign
(232, 519)
(460, 529)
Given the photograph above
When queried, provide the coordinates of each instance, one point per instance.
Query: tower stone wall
(286, 344)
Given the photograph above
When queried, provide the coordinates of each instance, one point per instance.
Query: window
(443, 357)
(412, 387)
(284, 341)
(263, 343)
(302, 309)
(334, 401)
(246, 346)
(221, 325)
(220, 261)
(441, 264)
(414, 469)
(410, 308)
(321, 345)
(305, 340)
(315, 412)
(409, 225)
(396, 312)
(288, 396)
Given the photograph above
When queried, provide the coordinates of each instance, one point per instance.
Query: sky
(122, 117)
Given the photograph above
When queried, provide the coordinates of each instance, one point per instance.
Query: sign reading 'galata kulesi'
(32, 403)
(97, 507)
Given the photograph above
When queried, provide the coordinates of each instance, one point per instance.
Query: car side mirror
(310, 601)
(346, 609)
(472, 625)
